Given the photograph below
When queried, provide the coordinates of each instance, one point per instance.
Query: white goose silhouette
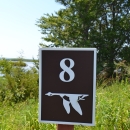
(73, 100)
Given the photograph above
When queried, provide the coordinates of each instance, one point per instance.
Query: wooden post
(65, 127)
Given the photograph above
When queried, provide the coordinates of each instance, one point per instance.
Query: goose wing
(66, 105)
(75, 104)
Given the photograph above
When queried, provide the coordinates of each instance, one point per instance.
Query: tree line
(103, 24)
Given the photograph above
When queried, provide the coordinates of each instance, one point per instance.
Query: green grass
(22, 116)
(112, 112)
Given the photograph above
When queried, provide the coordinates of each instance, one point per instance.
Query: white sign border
(94, 85)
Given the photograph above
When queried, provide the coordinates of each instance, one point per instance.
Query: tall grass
(22, 116)
(19, 104)
(112, 111)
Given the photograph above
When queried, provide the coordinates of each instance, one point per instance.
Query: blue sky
(18, 32)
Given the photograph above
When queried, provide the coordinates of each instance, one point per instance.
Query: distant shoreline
(17, 59)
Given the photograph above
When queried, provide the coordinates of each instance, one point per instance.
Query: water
(29, 65)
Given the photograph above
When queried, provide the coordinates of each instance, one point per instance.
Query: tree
(103, 24)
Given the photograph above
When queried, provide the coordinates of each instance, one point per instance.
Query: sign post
(65, 127)
(67, 86)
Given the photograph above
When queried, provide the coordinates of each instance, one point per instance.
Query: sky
(19, 36)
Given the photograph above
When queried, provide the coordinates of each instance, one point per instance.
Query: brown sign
(67, 86)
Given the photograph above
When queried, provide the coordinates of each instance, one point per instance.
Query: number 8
(67, 69)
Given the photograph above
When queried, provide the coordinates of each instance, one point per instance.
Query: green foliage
(17, 84)
(113, 104)
(19, 63)
(122, 70)
(22, 116)
(112, 111)
(103, 24)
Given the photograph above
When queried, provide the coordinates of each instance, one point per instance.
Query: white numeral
(67, 69)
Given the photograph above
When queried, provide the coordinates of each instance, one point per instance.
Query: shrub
(20, 83)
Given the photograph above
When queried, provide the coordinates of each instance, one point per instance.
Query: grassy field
(112, 112)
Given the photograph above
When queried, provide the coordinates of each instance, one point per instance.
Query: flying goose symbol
(70, 99)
